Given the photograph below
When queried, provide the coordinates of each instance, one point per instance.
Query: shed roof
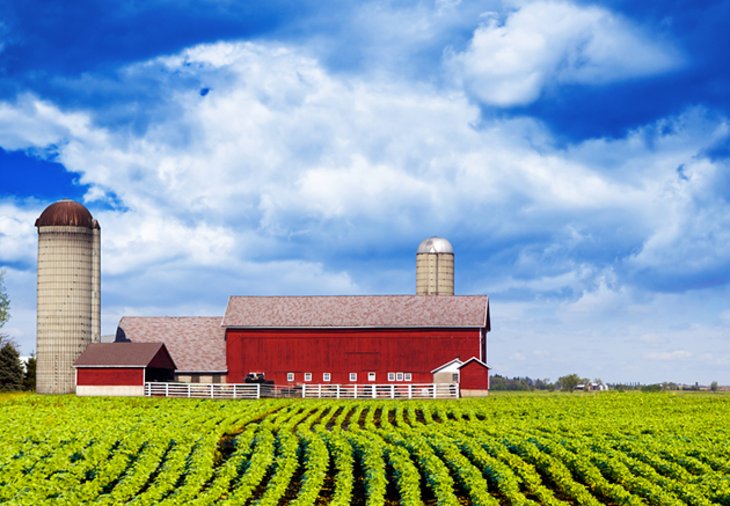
(196, 343)
(371, 311)
(125, 355)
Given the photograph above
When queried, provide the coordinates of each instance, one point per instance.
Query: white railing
(305, 391)
(203, 390)
(386, 391)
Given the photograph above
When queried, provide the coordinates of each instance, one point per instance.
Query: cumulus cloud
(31, 122)
(510, 61)
(284, 175)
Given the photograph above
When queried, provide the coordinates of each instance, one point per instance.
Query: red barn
(121, 368)
(352, 339)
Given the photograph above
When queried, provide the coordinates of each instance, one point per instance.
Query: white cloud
(285, 175)
(509, 62)
(669, 355)
(31, 122)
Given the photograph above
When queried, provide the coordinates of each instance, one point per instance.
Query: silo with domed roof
(68, 312)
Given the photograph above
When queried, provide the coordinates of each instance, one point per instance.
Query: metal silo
(435, 267)
(68, 316)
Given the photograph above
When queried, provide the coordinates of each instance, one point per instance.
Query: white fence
(388, 391)
(326, 391)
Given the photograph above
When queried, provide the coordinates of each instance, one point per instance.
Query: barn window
(290, 376)
(326, 376)
(353, 376)
(307, 376)
(371, 376)
(399, 376)
(391, 376)
(407, 376)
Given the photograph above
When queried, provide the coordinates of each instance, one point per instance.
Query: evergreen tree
(11, 369)
(29, 378)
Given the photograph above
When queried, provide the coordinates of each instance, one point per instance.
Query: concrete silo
(68, 319)
(435, 267)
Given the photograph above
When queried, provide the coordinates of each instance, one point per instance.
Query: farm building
(290, 341)
(113, 369)
(324, 340)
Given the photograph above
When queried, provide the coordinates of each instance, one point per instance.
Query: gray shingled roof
(196, 343)
(372, 311)
(121, 355)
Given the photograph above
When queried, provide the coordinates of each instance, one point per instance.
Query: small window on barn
(353, 376)
(307, 376)
(371, 376)
(455, 377)
(326, 376)
(290, 376)
(399, 376)
(194, 378)
(408, 377)
(391, 376)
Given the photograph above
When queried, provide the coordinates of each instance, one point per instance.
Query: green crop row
(506, 449)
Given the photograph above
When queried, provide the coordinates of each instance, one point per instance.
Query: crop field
(607, 448)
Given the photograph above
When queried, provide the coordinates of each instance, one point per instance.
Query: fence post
(410, 391)
(435, 386)
(304, 390)
(258, 390)
(167, 390)
(319, 391)
(354, 391)
(374, 391)
(234, 390)
(337, 392)
(188, 389)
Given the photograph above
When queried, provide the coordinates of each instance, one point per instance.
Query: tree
(569, 382)
(11, 369)
(4, 303)
(29, 378)
(713, 386)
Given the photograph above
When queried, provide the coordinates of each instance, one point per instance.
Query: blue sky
(575, 153)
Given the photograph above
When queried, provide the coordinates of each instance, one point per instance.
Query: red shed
(352, 339)
(121, 368)
(473, 378)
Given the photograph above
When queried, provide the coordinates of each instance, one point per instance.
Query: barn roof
(196, 343)
(125, 355)
(371, 311)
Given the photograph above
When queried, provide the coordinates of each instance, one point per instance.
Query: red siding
(474, 376)
(342, 351)
(110, 376)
